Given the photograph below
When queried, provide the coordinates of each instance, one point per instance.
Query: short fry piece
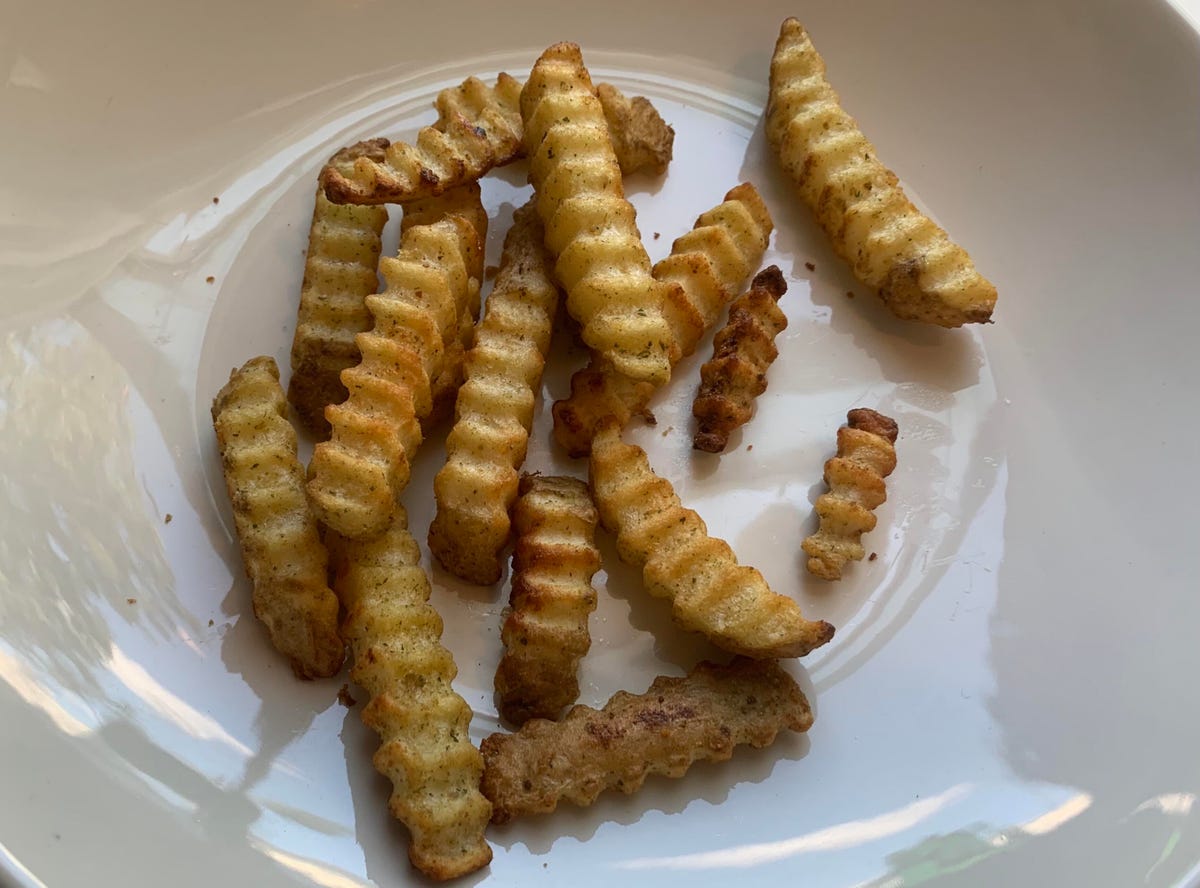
(339, 274)
(642, 140)
(478, 128)
(705, 270)
(356, 476)
(742, 351)
(423, 725)
(486, 447)
(546, 631)
(590, 227)
(865, 456)
(280, 546)
(677, 722)
(699, 575)
(892, 246)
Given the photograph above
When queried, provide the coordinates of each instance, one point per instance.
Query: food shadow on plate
(906, 351)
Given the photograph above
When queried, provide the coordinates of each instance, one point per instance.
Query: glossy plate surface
(1010, 696)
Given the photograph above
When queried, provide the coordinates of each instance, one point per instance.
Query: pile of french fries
(328, 550)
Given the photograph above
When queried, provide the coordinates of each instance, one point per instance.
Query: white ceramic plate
(1010, 696)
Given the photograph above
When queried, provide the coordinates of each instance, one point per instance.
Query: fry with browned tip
(642, 141)
(705, 270)
(423, 724)
(339, 274)
(281, 549)
(865, 456)
(590, 227)
(742, 351)
(545, 632)
(355, 477)
(698, 574)
(891, 246)
(677, 722)
(487, 445)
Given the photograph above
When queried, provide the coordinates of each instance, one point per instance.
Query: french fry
(546, 630)
(642, 140)
(590, 227)
(339, 274)
(677, 722)
(742, 351)
(892, 247)
(865, 456)
(423, 724)
(478, 127)
(281, 550)
(705, 270)
(699, 575)
(487, 445)
(356, 476)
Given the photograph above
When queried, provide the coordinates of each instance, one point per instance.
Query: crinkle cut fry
(280, 545)
(423, 724)
(699, 575)
(866, 455)
(487, 445)
(355, 477)
(478, 128)
(642, 141)
(704, 272)
(892, 246)
(590, 227)
(545, 632)
(677, 722)
(339, 274)
(742, 351)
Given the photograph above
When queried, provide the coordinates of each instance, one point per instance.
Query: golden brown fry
(546, 631)
(699, 575)
(339, 274)
(590, 227)
(478, 127)
(865, 457)
(356, 476)
(281, 550)
(677, 722)
(706, 269)
(642, 140)
(487, 445)
(423, 725)
(892, 246)
(742, 351)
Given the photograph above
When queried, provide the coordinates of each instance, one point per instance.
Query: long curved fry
(423, 725)
(590, 227)
(705, 270)
(677, 722)
(699, 575)
(339, 274)
(487, 445)
(865, 456)
(356, 476)
(546, 631)
(892, 246)
(280, 546)
(742, 351)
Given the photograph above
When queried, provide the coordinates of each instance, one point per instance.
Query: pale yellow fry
(698, 574)
(281, 549)
(865, 456)
(356, 476)
(487, 445)
(423, 725)
(590, 227)
(705, 270)
(892, 246)
(339, 274)
(546, 630)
